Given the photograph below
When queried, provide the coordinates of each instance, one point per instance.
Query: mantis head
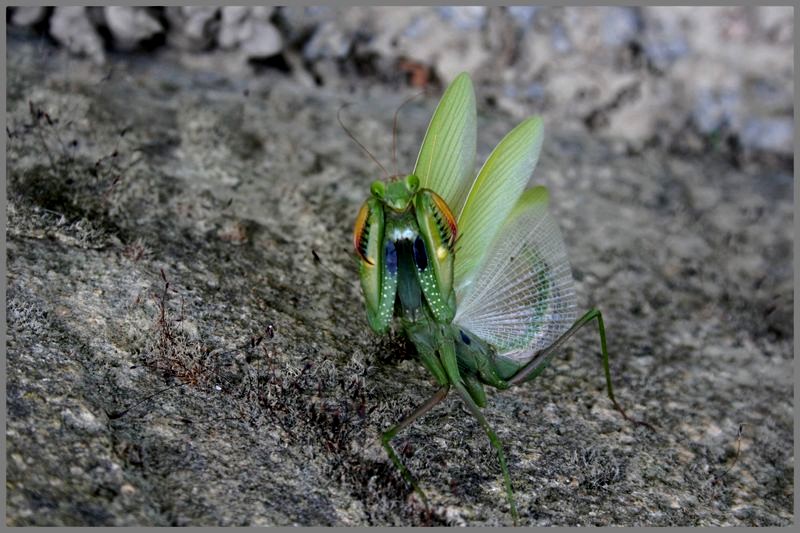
(396, 194)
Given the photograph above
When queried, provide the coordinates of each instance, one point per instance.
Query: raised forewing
(522, 297)
(446, 161)
(493, 195)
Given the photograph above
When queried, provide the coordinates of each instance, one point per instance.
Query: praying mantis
(473, 267)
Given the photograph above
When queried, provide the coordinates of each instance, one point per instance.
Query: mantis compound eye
(412, 183)
(378, 189)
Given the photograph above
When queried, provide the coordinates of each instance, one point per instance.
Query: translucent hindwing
(522, 298)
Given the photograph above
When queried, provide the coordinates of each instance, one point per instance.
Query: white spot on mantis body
(405, 233)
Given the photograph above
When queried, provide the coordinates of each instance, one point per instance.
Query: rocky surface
(187, 343)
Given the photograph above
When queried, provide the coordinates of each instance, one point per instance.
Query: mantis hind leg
(536, 365)
(397, 428)
(498, 446)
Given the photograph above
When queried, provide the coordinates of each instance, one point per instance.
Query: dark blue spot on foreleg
(391, 258)
(420, 254)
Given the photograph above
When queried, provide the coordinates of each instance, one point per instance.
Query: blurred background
(684, 77)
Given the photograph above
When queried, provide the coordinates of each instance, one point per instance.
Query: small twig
(113, 415)
(718, 477)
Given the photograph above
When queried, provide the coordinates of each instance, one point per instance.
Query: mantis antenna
(394, 129)
(339, 118)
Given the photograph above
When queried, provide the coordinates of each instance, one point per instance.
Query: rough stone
(187, 343)
(327, 42)
(774, 134)
(193, 28)
(28, 15)
(71, 27)
(249, 29)
(234, 27)
(131, 25)
(447, 38)
(264, 40)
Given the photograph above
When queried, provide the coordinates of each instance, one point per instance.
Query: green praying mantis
(474, 267)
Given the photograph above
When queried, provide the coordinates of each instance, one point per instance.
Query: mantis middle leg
(537, 365)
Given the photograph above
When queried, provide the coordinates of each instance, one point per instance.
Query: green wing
(493, 195)
(522, 298)
(446, 160)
